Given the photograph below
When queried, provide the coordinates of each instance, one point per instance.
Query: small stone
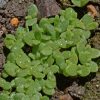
(97, 86)
(1, 33)
(2, 3)
(65, 97)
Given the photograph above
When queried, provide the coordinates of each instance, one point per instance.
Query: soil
(87, 88)
(93, 89)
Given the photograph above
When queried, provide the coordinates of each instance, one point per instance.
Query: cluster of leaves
(79, 3)
(57, 45)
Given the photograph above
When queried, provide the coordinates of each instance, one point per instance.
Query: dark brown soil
(93, 89)
(95, 40)
(67, 88)
(13, 8)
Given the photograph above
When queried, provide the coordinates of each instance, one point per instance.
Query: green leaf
(11, 69)
(23, 60)
(48, 91)
(66, 54)
(18, 45)
(37, 29)
(50, 60)
(20, 96)
(20, 32)
(51, 76)
(59, 58)
(62, 25)
(46, 37)
(4, 96)
(53, 45)
(38, 36)
(84, 57)
(48, 28)
(31, 22)
(28, 38)
(80, 33)
(50, 84)
(89, 22)
(32, 11)
(11, 57)
(35, 63)
(37, 85)
(84, 53)
(80, 3)
(12, 96)
(36, 96)
(19, 81)
(61, 43)
(56, 20)
(46, 50)
(54, 69)
(83, 70)
(23, 72)
(68, 35)
(33, 87)
(37, 74)
(4, 74)
(73, 56)
(44, 98)
(20, 89)
(68, 13)
(71, 69)
(12, 83)
(31, 55)
(9, 41)
(36, 42)
(95, 53)
(4, 84)
(93, 66)
(76, 23)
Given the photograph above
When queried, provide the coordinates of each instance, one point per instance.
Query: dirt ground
(68, 88)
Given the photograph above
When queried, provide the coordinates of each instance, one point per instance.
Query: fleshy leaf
(46, 50)
(50, 60)
(83, 70)
(73, 56)
(4, 84)
(31, 22)
(69, 13)
(9, 41)
(11, 69)
(44, 98)
(20, 32)
(80, 3)
(95, 53)
(71, 69)
(23, 72)
(4, 96)
(89, 22)
(93, 66)
(50, 84)
(48, 91)
(32, 10)
(28, 38)
(59, 59)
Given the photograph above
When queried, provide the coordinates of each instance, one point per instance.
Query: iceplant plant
(55, 45)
